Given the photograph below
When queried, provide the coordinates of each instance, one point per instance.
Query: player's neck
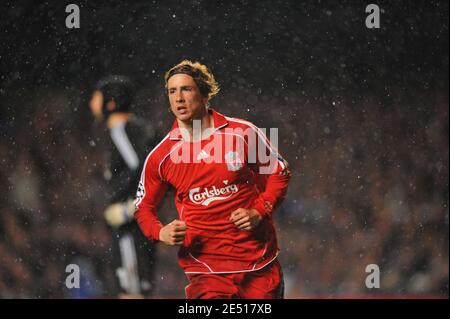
(117, 118)
(194, 132)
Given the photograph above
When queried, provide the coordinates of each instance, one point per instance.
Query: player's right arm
(151, 191)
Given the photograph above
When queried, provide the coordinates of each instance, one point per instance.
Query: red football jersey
(236, 167)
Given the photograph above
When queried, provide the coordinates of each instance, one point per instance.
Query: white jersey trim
(228, 272)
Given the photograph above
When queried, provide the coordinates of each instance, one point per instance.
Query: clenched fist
(245, 219)
(173, 233)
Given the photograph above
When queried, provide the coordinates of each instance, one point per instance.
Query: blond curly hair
(200, 73)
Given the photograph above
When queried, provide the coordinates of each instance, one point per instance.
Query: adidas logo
(202, 155)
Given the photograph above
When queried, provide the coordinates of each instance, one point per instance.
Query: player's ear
(206, 102)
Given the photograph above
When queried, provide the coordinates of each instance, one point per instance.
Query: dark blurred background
(362, 117)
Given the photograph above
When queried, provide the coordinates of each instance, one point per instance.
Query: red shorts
(266, 283)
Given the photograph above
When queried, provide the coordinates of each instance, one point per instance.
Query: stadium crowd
(369, 187)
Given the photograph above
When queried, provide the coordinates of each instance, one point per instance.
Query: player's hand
(173, 233)
(246, 219)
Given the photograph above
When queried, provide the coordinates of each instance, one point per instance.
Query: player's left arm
(272, 174)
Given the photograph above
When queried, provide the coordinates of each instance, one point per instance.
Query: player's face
(96, 104)
(186, 101)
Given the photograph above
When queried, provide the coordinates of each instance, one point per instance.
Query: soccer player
(228, 180)
(130, 136)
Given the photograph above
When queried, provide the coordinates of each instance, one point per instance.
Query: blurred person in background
(133, 254)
